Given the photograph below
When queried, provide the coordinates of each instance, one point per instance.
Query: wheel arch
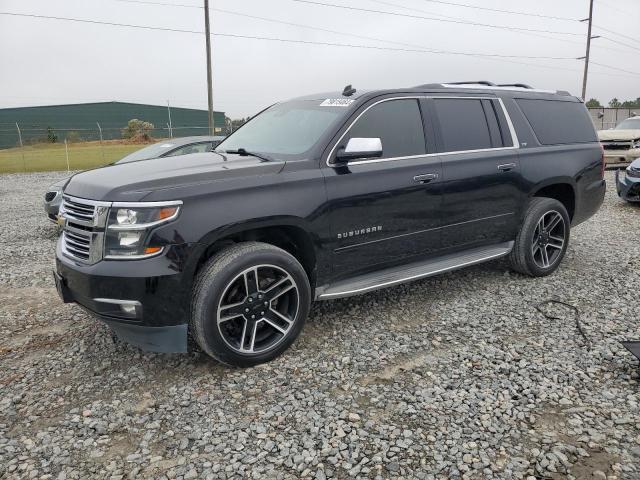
(288, 233)
(562, 190)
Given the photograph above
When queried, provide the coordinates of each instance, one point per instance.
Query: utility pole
(24, 164)
(586, 57)
(169, 125)
(101, 146)
(209, 75)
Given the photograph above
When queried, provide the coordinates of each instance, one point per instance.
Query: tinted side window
(397, 123)
(463, 124)
(556, 122)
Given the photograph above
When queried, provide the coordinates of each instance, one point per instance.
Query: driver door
(385, 210)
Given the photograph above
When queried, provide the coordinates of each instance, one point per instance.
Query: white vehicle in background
(622, 143)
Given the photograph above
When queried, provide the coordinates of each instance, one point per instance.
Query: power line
(565, 40)
(98, 22)
(497, 10)
(377, 39)
(148, 2)
(620, 43)
(616, 33)
(462, 22)
(496, 57)
(164, 4)
(616, 68)
(285, 40)
(395, 5)
(616, 8)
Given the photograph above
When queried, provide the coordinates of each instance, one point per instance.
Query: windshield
(152, 151)
(290, 128)
(629, 124)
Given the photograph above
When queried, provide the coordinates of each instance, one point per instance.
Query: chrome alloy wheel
(548, 239)
(257, 309)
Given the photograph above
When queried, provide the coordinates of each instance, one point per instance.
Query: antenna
(348, 91)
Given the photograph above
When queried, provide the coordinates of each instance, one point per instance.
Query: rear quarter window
(557, 122)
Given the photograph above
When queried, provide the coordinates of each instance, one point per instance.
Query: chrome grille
(76, 244)
(74, 210)
(84, 223)
(616, 145)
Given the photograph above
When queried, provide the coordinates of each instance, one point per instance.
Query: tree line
(615, 103)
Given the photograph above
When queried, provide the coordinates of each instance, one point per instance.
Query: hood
(59, 185)
(618, 134)
(133, 181)
(635, 165)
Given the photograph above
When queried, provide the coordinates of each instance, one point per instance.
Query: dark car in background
(628, 182)
(168, 148)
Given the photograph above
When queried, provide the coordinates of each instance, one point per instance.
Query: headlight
(129, 227)
(635, 143)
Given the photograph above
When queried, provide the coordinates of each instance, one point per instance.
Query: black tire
(527, 255)
(225, 276)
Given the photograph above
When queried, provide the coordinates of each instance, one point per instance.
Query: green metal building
(83, 122)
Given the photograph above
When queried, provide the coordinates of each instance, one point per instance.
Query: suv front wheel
(249, 304)
(543, 238)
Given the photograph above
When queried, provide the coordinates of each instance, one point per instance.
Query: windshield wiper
(244, 153)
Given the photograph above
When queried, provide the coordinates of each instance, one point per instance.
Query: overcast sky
(52, 62)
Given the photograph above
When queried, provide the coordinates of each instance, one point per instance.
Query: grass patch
(48, 157)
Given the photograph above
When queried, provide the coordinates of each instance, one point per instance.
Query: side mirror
(600, 115)
(360, 148)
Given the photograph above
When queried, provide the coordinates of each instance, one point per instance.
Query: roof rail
(485, 85)
(519, 85)
(479, 82)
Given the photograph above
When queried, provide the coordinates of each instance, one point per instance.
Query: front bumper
(621, 157)
(155, 290)
(628, 188)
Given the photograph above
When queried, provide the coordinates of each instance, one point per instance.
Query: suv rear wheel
(249, 304)
(543, 238)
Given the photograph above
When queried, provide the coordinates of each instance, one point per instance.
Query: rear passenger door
(388, 208)
(482, 189)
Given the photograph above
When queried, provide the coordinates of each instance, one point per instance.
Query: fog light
(128, 309)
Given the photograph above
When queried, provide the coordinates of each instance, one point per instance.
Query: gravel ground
(456, 376)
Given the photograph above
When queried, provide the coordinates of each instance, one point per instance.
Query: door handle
(505, 167)
(427, 177)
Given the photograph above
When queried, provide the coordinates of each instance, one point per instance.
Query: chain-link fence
(34, 148)
(605, 118)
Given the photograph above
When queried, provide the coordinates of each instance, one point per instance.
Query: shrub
(137, 130)
(51, 135)
(73, 137)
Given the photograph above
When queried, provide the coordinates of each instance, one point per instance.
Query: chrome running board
(413, 271)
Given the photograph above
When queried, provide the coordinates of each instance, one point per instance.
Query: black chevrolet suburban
(323, 197)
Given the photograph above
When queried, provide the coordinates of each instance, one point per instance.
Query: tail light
(602, 163)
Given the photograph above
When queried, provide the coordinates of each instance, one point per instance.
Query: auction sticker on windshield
(336, 102)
